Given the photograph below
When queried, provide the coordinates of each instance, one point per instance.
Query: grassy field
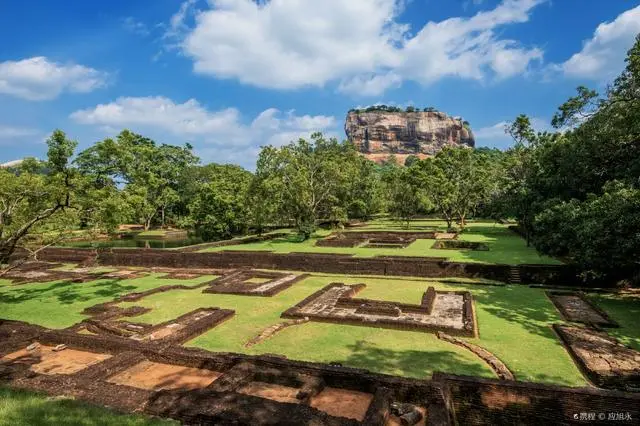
(625, 310)
(514, 323)
(504, 245)
(58, 304)
(22, 408)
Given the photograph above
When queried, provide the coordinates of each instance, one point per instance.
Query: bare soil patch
(271, 391)
(156, 376)
(44, 360)
(342, 402)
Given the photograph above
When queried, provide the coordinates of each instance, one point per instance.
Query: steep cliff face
(377, 134)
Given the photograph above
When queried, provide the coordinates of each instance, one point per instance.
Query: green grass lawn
(505, 246)
(58, 304)
(23, 408)
(514, 323)
(625, 310)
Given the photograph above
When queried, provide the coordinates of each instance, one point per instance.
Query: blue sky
(231, 75)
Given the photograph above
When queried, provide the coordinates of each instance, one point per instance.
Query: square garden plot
(448, 311)
(157, 376)
(576, 307)
(459, 245)
(342, 402)
(253, 283)
(44, 360)
(272, 391)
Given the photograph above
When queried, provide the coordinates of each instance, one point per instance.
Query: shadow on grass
(534, 314)
(625, 310)
(411, 362)
(18, 407)
(67, 292)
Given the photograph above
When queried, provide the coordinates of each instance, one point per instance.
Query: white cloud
(188, 118)
(469, 47)
(602, 56)
(490, 133)
(7, 132)
(136, 27)
(177, 23)
(372, 85)
(359, 44)
(494, 136)
(12, 135)
(217, 135)
(39, 79)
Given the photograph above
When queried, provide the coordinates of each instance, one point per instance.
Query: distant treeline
(387, 108)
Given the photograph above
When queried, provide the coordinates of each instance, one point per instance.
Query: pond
(136, 242)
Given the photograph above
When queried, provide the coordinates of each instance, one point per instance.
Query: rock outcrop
(378, 134)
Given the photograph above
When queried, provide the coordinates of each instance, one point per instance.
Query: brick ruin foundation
(459, 245)
(576, 307)
(110, 360)
(41, 272)
(314, 262)
(449, 311)
(376, 239)
(602, 358)
(200, 387)
(253, 283)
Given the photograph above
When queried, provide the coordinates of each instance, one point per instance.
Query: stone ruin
(448, 311)
(378, 239)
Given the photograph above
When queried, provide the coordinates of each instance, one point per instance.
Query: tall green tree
(457, 180)
(219, 208)
(150, 173)
(35, 194)
(304, 179)
(575, 191)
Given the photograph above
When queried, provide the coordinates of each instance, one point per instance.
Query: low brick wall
(315, 262)
(233, 242)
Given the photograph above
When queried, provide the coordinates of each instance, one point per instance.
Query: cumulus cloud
(602, 56)
(222, 133)
(38, 78)
(360, 44)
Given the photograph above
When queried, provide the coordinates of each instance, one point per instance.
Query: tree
(457, 181)
(410, 160)
(34, 193)
(404, 200)
(574, 192)
(150, 173)
(364, 193)
(304, 178)
(219, 208)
